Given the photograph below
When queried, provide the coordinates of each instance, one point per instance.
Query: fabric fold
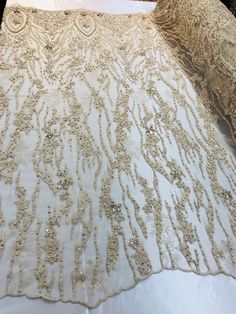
(203, 35)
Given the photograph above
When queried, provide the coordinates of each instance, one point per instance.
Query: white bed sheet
(108, 6)
(170, 292)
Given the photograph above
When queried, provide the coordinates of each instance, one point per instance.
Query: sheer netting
(112, 165)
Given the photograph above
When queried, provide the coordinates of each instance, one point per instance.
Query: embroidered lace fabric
(112, 166)
(203, 37)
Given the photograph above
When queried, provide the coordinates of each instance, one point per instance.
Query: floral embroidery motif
(85, 24)
(16, 20)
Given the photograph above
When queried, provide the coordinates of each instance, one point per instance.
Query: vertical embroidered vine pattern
(111, 166)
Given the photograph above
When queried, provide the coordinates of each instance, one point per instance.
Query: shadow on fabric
(2, 7)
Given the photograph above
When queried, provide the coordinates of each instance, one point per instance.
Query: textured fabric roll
(203, 36)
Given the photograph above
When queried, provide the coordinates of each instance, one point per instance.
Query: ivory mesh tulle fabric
(203, 39)
(111, 165)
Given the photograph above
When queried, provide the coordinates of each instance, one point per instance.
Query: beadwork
(111, 165)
